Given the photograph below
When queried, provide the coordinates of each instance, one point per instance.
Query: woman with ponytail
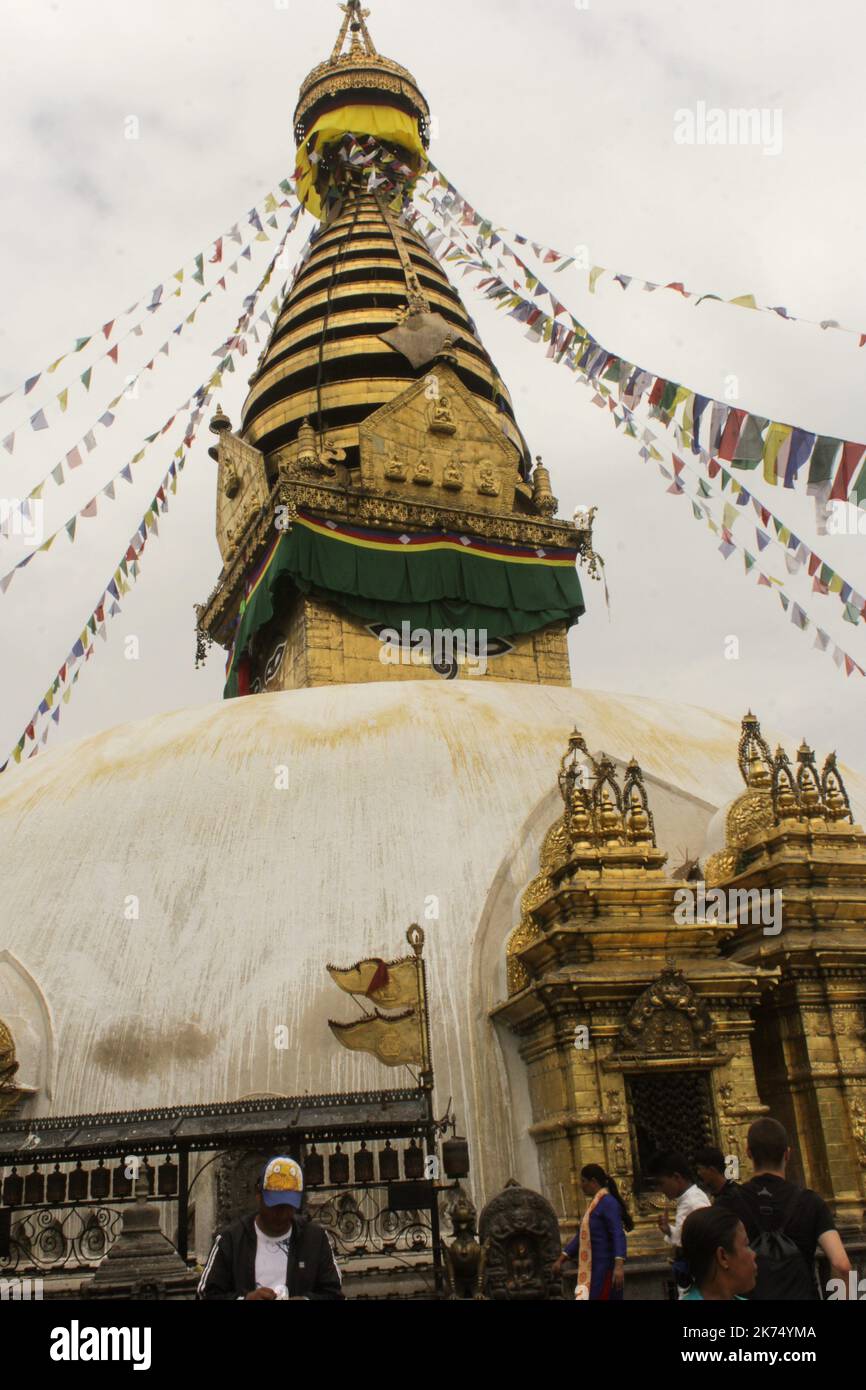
(599, 1245)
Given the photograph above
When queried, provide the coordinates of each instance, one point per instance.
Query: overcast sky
(552, 119)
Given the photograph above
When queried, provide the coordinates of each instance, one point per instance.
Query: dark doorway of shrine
(668, 1111)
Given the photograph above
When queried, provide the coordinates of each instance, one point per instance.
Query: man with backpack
(785, 1224)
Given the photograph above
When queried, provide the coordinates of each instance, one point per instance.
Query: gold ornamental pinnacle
(354, 21)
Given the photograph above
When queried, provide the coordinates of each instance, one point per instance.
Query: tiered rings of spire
(328, 360)
(336, 354)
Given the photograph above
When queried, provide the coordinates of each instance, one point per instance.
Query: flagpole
(415, 937)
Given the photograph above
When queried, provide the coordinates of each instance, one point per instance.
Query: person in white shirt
(676, 1181)
(274, 1254)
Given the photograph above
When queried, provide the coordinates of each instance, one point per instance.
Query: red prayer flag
(851, 456)
(731, 434)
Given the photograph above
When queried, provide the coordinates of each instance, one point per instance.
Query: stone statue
(443, 417)
(520, 1230)
(395, 469)
(452, 476)
(423, 472)
(465, 1259)
(488, 483)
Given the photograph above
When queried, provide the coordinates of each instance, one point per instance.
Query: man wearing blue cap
(274, 1254)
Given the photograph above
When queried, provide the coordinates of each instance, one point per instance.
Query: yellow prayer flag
(776, 436)
(63, 398)
(391, 983)
(745, 301)
(395, 1041)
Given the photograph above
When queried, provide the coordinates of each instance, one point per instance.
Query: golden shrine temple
(378, 489)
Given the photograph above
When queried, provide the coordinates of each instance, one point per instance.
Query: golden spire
(354, 22)
(754, 754)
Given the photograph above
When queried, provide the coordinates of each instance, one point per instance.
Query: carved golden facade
(629, 1013)
(810, 1039)
(634, 1028)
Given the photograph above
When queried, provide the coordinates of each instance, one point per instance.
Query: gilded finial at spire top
(354, 23)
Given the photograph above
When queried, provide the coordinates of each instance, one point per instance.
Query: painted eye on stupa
(274, 661)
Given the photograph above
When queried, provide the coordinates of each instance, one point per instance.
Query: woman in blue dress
(599, 1246)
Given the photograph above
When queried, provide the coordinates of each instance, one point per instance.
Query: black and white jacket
(230, 1270)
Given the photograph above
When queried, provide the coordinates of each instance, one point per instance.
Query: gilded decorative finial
(809, 783)
(219, 422)
(542, 493)
(607, 804)
(785, 793)
(639, 823)
(836, 804)
(354, 23)
(753, 754)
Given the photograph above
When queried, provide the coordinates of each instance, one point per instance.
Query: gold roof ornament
(793, 794)
(786, 795)
(837, 807)
(639, 823)
(604, 825)
(753, 754)
(346, 75)
(809, 783)
(542, 492)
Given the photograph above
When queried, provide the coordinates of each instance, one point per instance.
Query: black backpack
(783, 1272)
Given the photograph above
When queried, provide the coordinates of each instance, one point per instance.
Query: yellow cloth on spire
(384, 122)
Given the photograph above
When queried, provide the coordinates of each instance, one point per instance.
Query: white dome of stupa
(260, 839)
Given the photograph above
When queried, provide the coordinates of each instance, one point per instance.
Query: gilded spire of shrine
(378, 426)
(354, 22)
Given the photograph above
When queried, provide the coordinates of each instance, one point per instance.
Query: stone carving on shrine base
(465, 1257)
(668, 1018)
(520, 1229)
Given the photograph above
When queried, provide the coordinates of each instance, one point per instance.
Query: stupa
(376, 498)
